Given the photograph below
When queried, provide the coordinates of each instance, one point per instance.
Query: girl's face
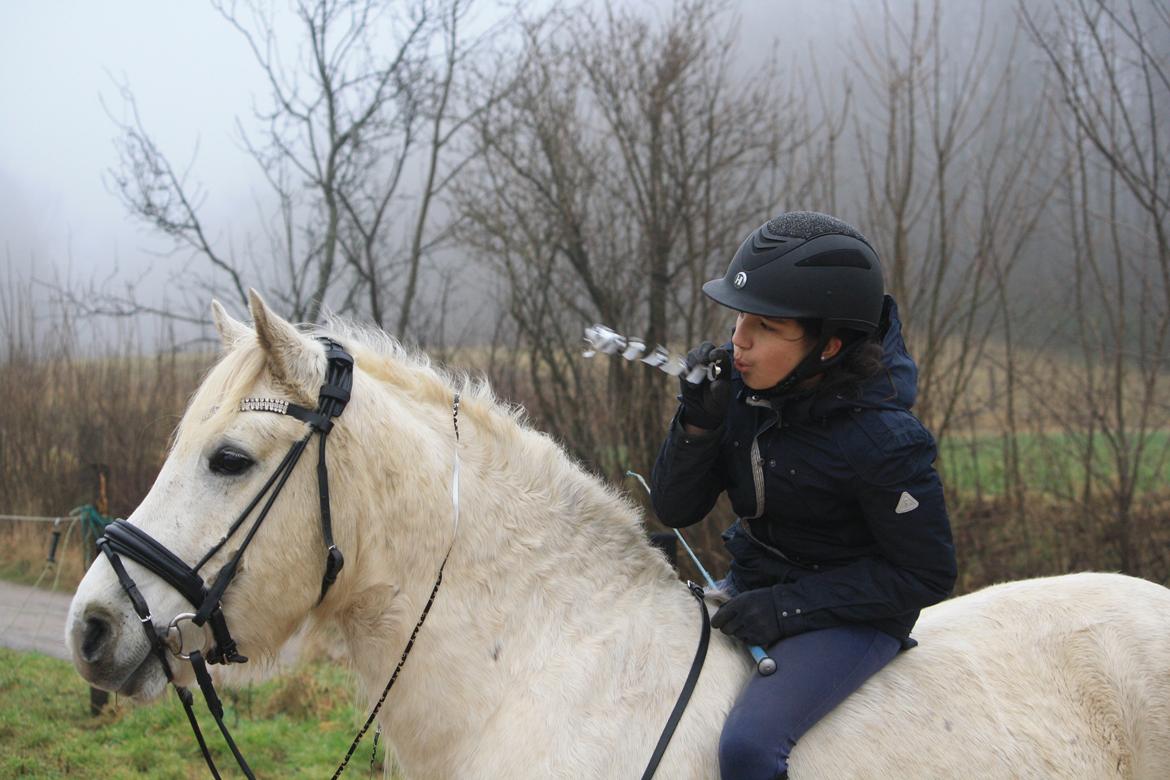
(767, 349)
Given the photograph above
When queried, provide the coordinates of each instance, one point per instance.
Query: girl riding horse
(843, 533)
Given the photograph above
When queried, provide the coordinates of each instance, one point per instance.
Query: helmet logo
(740, 280)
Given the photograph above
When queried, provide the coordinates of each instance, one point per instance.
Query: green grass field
(1051, 464)
(297, 726)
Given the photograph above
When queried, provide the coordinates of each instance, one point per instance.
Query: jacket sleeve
(687, 477)
(902, 501)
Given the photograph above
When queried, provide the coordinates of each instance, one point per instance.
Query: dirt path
(33, 619)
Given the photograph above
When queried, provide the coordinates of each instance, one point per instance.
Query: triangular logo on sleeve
(907, 503)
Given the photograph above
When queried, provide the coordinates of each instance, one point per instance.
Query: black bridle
(122, 540)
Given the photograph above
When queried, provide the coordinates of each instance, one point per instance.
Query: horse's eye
(228, 461)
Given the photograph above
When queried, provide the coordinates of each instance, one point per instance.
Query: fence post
(97, 697)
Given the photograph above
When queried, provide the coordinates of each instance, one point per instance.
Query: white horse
(560, 638)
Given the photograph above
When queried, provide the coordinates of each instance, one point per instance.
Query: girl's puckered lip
(740, 365)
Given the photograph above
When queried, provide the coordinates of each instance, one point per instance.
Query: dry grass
(26, 546)
(68, 418)
(996, 542)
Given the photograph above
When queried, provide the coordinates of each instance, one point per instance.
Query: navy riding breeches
(815, 671)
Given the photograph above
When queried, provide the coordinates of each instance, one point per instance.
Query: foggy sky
(193, 75)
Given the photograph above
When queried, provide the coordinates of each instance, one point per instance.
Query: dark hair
(862, 361)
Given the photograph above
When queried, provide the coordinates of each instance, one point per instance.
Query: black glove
(705, 404)
(750, 617)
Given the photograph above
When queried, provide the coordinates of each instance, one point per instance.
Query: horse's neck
(524, 505)
(544, 551)
(532, 513)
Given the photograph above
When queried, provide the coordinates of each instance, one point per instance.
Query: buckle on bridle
(174, 640)
(334, 560)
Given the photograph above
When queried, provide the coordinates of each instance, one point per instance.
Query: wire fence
(34, 519)
(81, 526)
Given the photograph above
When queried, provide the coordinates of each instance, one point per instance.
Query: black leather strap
(285, 464)
(688, 687)
(334, 560)
(187, 701)
(331, 402)
(142, 548)
(157, 646)
(216, 709)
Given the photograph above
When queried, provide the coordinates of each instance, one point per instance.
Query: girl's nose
(739, 336)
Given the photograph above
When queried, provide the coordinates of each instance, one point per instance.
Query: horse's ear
(291, 356)
(230, 329)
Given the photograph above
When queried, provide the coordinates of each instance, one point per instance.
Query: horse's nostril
(97, 632)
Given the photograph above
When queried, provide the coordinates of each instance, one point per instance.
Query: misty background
(485, 179)
(196, 82)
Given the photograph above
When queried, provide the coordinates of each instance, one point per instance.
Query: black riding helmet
(806, 265)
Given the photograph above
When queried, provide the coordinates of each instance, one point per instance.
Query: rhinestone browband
(253, 404)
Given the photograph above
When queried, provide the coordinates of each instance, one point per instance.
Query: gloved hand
(705, 404)
(750, 617)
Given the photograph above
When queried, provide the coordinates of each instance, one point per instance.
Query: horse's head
(220, 460)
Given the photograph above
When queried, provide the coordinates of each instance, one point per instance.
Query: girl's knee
(746, 755)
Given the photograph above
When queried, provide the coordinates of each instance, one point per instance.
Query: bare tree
(621, 172)
(942, 161)
(1110, 65)
(446, 106)
(371, 93)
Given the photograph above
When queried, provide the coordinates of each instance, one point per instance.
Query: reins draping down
(426, 609)
(688, 687)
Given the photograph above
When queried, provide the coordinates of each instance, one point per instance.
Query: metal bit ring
(174, 638)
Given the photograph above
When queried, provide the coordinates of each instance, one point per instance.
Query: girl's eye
(229, 462)
(765, 326)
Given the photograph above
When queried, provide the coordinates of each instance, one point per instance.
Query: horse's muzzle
(110, 654)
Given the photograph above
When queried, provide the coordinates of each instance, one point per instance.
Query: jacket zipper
(756, 458)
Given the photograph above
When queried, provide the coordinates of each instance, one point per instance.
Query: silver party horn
(609, 342)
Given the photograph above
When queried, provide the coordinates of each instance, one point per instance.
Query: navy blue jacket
(838, 499)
